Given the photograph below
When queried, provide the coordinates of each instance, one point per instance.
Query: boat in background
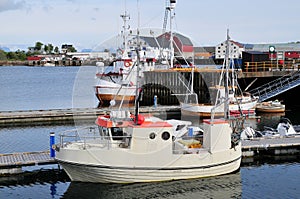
(239, 104)
(116, 83)
(284, 129)
(270, 107)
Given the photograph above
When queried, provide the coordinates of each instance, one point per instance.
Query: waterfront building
(235, 49)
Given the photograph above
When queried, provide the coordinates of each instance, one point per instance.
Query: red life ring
(127, 64)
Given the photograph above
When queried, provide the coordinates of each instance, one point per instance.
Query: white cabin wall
(141, 142)
(217, 137)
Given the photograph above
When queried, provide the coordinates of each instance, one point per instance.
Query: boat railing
(88, 137)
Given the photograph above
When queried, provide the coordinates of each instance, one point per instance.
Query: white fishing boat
(237, 105)
(242, 103)
(117, 81)
(124, 151)
(126, 148)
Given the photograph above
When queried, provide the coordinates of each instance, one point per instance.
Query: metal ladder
(276, 87)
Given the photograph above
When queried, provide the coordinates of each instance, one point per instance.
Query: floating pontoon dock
(61, 116)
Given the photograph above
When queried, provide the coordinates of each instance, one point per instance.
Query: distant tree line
(38, 49)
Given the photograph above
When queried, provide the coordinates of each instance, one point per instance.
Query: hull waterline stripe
(148, 168)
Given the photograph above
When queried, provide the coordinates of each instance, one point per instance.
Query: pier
(271, 146)
(66, 116)
(13, 163)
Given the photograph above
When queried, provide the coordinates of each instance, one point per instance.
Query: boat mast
(125, 17)
(172, 14)
(138, 48)
(226, 106)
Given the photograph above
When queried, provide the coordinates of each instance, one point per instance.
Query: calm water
(40, 88)
(25, 88)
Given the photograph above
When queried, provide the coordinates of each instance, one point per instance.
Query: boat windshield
(117, 133)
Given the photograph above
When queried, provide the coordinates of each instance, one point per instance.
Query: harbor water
(38, 88)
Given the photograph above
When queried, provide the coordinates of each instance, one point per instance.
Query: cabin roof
(215, 121)
(105, 121)
(148, 124)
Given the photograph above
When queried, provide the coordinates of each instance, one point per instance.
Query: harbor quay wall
(174, 86)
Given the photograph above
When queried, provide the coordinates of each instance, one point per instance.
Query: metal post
(52, 142)
(190, 132)
(155, 101)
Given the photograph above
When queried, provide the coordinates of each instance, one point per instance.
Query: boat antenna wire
(226, 108)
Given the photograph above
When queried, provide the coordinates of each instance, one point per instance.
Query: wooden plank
(25, 159)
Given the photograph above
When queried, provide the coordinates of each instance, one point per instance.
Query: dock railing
(275, 65)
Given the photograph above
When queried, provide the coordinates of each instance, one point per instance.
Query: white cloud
(6, 5)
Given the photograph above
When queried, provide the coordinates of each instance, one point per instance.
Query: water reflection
(51, 176)
(227, 186)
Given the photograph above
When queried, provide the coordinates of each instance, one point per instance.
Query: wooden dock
(25, 159)
(271, 146)
(13, 163)
(63, 116)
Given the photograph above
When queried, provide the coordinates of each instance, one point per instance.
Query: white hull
(124, 91)
(102, 173)
(244, 106)
(205, 109)
(106, 87)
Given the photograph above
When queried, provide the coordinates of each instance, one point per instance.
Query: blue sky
(87, 23)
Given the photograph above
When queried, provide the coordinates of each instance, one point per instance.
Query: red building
(292, 55)
(182, 44)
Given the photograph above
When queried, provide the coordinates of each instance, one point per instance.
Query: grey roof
(278, 47)
(210, 49)
(150, 41)
(248, 46)
(199, 49)
(255, 52)
(163, 42)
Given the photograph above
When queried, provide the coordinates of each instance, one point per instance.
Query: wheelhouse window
(117, 133)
